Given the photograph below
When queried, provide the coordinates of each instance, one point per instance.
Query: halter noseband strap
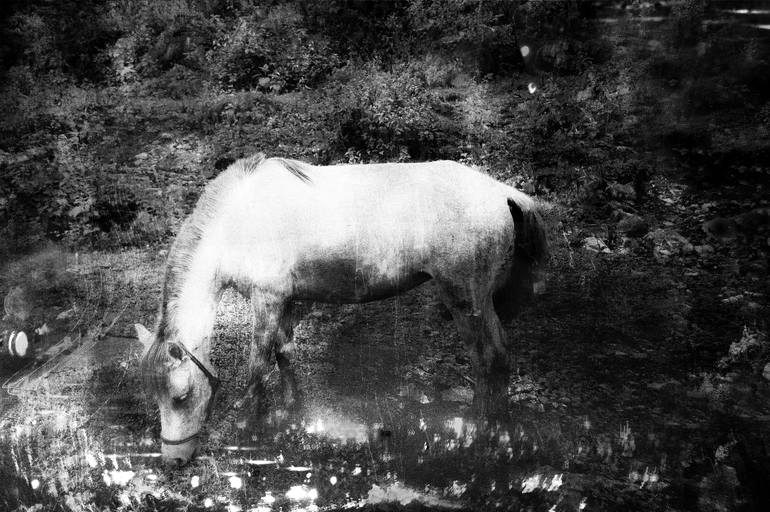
(179, 441)
(213, 382)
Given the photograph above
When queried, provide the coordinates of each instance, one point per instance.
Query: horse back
(381, 226)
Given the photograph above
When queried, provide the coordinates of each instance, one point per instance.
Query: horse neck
(190, 298)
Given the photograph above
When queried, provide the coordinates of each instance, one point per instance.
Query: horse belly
(345, 281)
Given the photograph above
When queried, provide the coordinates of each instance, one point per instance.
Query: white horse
(280, 230)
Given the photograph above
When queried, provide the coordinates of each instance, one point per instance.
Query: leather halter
(213, 383)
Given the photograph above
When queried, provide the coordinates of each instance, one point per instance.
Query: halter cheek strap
(213, 383)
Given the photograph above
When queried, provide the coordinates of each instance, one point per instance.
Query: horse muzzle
(179, 453)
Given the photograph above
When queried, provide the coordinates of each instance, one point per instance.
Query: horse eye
(181, 398)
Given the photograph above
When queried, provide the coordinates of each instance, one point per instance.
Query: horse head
(183, 388)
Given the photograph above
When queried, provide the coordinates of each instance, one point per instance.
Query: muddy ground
(638, 386)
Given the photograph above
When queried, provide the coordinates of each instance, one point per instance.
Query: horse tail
(530, 251)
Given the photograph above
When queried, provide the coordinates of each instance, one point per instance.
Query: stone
(667, 243)
(721, 229)
(594, 244)
(621, 191)
(633, 226)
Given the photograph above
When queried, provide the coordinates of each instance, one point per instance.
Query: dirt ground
(638, 386)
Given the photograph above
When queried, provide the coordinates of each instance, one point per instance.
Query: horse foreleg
(482, 333)
(266, 336)
(284, 349)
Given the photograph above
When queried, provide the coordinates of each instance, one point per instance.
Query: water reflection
(399, 450)
(747, 11)
(331, 460)
(335, 426)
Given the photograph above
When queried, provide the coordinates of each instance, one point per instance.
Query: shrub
(482, 31)
(361, 30)
(66, 36)
(390, 114)
(37, 42)
(274, 55)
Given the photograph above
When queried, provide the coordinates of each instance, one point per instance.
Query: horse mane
(156, 362)
(154, 369)
(253, 163)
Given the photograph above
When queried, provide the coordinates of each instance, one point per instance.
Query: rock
(633, 226)
(621, 191)
(766, 372)
(585, 94)
(592, 193)
(141, 156)
(165, 136)
(628, 245)
(667, 243)
(721, 229)
(65, 315)
(594, 244)
(703, 250)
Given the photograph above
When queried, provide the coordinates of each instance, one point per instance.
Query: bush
(390, 114)
(274, 55)
(66, 36)
(360, 30)
(481, 31)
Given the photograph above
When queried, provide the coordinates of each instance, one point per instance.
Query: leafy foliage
(195, 85)
(389, 114)
(274, 54)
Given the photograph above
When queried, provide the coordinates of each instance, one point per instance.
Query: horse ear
(146, 338)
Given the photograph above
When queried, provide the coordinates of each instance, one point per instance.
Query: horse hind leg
(483, 335)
